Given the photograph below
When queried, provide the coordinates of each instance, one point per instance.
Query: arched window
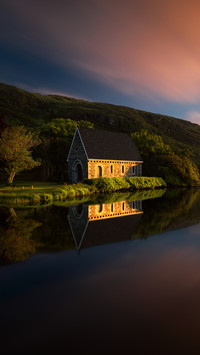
(100, 171)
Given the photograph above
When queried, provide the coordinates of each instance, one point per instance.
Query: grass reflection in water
(25, 231)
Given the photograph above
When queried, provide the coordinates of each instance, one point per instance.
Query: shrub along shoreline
(77, 191)
(120, 183)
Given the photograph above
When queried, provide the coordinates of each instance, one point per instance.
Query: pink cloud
(138, 47)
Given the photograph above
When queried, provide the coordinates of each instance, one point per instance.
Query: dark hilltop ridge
(32, 109)
(19, 107)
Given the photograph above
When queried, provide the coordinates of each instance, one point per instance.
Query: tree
(60, 128)
(15, 145)
(56, 138)
(150, 144)
(161, 160)
(16, 243)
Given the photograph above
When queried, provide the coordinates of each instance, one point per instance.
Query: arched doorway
(100, 171)
(79, 172)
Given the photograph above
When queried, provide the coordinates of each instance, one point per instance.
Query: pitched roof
(109, 145)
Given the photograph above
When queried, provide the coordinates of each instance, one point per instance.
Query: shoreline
(46, 193)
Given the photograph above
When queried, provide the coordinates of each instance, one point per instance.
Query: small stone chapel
(97, 153)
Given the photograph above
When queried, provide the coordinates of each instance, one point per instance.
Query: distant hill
(32, 110)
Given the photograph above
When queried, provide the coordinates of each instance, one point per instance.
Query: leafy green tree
(179, 170)
(62, 128)
(161, 160)
(150, 144)
(56, 138)
(58, 128)
(15, 145)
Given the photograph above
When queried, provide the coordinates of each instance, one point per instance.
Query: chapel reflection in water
(104, 223)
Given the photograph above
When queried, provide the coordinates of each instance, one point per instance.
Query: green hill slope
(32, 110)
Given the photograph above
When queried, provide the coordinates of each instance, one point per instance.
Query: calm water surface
(121, 277)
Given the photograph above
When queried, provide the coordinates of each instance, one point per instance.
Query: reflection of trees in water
(15, 238)
(54, 233)
(178, 208)
(25, 231)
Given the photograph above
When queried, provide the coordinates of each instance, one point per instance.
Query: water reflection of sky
(138, 296)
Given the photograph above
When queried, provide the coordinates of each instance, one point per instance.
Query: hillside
(32, 110)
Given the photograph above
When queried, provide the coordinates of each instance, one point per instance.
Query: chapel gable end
(77, 150)
(77, 160)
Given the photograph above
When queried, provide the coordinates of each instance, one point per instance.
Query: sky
(138, 53)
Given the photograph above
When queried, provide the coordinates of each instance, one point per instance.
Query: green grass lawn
(24, 189)
(29, 187)
(36, 193)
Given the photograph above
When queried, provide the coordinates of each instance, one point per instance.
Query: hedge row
(132, 183)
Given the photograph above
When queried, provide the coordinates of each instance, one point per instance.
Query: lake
(118, 275)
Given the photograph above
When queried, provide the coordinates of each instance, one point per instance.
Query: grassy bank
(36, 193)
(42, 193)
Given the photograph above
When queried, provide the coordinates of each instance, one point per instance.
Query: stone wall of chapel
(93, 170)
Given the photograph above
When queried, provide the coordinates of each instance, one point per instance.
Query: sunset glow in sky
(139, 53)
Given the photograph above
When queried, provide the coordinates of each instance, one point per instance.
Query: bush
(179, 171)
(121, 183)
(146, 182)
(108, 184)
(115, 184)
